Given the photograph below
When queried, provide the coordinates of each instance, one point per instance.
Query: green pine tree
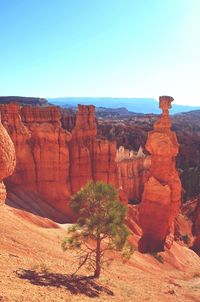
(100, 226)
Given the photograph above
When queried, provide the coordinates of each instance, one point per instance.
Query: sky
(96, 48)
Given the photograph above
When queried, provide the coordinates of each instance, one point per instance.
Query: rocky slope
(34, 268)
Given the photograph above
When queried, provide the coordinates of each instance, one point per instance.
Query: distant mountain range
(138, 105)
(122, 105)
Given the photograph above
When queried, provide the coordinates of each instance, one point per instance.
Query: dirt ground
(33, 268)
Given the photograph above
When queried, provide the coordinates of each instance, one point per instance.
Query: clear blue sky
(119, 48)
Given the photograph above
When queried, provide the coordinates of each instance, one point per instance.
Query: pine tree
(100, 226)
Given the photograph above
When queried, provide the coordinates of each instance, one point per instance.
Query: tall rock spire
(162, 192)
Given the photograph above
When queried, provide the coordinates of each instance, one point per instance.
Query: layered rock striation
(91, 158)
(162, 192)
(132, 172)
(42, 150)
(53, 163)
(7, 160)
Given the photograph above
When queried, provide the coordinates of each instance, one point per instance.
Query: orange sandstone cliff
(132, 171)
(91, 159)
(53, 163)
(162, 192)
(42, 171)
(7, 160)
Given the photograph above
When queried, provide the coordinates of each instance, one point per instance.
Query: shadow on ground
(75, 284)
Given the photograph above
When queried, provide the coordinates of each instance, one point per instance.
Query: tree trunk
(98, 258)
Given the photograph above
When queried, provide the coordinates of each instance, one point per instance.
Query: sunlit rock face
(7, 160)
(53, 163)
(91, 159)
(42, 153)
(162, 191)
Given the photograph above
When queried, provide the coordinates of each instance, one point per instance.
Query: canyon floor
(34, 268)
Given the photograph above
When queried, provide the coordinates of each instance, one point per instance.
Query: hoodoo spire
(162, 191)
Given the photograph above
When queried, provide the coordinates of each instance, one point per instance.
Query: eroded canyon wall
(132, 171)
(91, 159)
(42, 154)
(7, 159)
(53, 163)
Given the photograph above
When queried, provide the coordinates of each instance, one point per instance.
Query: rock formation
(162, 192)
(132, 172)
(7, 160)
(196, 228)
(42, 154)
(53, 163)
(68, 118)
(90, 158)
